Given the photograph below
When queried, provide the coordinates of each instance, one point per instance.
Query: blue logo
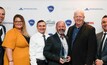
(68, 22)
(50, 22)
(50, 34)
(50, 8)
(31, 22)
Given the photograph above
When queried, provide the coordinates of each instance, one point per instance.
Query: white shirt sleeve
(32, 51)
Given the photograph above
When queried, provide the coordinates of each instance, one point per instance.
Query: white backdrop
(34, 10)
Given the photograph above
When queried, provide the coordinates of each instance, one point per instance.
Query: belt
(40, 60)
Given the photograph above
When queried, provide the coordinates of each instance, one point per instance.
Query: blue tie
(62, 51)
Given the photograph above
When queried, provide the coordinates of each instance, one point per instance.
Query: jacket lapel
(57, 39)
(82, 29)
(105, 45)
(99, 37)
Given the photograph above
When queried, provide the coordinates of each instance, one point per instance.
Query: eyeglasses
(19, 21)
(2, 14)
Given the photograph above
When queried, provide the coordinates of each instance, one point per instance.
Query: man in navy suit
(83, 41)
(102, 46)
(56, 49)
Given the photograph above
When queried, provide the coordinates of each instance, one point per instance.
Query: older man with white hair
(83, 42)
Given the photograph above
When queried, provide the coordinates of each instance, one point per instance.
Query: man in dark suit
(56, 49)
(102, 44)
(2, 33)
(83, 42)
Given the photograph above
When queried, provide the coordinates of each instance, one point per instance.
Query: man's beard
(61, 31)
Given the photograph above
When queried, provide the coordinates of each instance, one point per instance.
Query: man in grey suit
(102, 44)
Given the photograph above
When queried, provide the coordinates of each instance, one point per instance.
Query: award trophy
(62, 55)
(64, 58)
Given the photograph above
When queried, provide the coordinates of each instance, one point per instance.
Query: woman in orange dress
(16, 43)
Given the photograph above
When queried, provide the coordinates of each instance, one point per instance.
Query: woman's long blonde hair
(24, 31)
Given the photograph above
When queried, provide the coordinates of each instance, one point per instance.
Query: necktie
(44, 38)
(62, 48)
(100, 49)
(62, 54)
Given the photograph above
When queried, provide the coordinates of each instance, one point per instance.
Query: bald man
(83, 42)
(56, 49)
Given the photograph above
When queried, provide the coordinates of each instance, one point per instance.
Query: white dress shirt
(64, 44)
(36, 47)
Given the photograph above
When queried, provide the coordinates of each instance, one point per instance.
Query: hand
(68, 58)
(11, 63)
(61, 61)
(99, 62)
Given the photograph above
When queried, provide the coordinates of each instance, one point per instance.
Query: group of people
(81, 45)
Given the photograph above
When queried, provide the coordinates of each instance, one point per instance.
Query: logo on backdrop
(90, 22)
(50, 8)
(50, 22)
(27, 8)
(31, 22)
(50, 34)
(87, 9)
(68, 22)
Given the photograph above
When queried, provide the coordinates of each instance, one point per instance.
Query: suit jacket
(52, 49)
(1, 48)
(104, 52)
(84, 47)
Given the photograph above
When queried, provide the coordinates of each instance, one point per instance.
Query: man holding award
(56, 49)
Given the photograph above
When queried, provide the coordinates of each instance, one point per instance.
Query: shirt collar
(41, 34)
(59, 34)
(76, 27)
(104, 32)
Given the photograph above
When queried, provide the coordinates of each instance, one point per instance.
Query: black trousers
(41, 62)
(1, 55)
(66, 63)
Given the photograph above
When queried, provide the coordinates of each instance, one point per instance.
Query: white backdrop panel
(63, 10)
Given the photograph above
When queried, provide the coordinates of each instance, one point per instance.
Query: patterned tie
(100, 49)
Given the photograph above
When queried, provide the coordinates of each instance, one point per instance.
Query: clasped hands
(63, 60)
